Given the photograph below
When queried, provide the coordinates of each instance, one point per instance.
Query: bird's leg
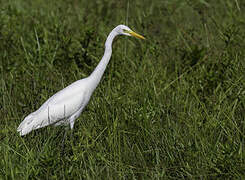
(72, 121)
(63, 142)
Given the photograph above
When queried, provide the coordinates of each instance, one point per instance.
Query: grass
(170, 107)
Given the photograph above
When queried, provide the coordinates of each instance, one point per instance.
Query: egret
(64, 107)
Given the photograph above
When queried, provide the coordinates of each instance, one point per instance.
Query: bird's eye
(125, 31)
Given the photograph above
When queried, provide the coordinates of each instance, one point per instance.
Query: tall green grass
(170, 107)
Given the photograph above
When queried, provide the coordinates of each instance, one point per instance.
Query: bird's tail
(27, 125)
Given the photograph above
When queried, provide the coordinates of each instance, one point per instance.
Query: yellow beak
(136, 35)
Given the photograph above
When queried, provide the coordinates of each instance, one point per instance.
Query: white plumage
(67, 104)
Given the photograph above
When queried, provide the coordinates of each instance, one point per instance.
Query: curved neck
(97, 74)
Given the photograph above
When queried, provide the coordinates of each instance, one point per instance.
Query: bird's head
(125, 30)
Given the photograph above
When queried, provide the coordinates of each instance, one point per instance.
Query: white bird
(67, 104)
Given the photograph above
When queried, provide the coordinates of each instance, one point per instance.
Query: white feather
(66, 105)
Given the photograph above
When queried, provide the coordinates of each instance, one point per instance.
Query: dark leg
(63, 143)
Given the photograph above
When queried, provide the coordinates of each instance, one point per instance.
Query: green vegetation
(170, 107)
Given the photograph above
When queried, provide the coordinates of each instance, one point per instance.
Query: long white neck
(97, 74)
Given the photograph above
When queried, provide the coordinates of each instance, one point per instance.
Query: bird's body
(62, 108)
(67, 104)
